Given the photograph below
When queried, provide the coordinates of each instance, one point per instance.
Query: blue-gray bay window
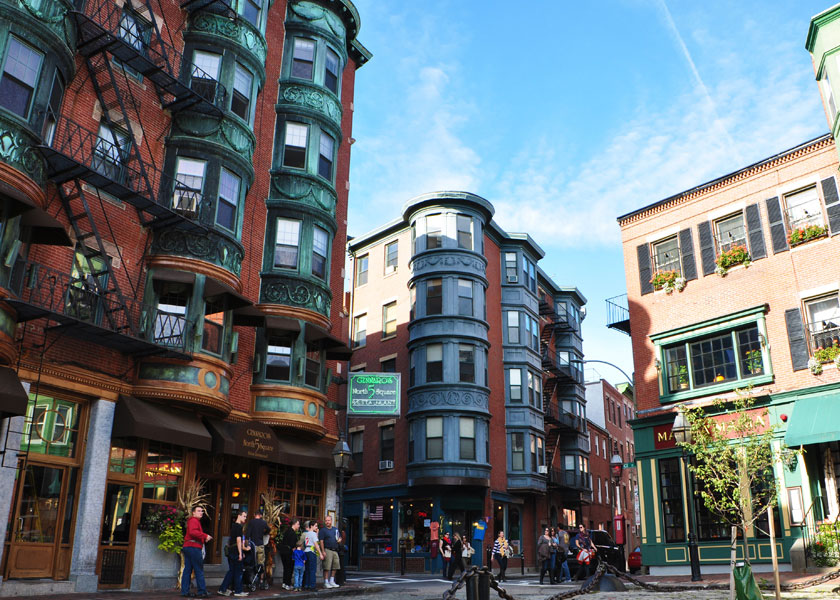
(465, 298)
(517, 451)
(466, 434)
(434, 438)
(466, 363)
(512, 326)
(514, 386)
(21, 68)
(434, 363)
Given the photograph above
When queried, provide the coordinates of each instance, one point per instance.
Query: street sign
(373, 394)
(630, 465)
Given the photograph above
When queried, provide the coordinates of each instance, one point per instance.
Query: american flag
(376, 515)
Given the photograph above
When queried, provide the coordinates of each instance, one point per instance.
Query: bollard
(402, 560)
(472, 588)
(483, 586)
(489, 558)
(522, 563)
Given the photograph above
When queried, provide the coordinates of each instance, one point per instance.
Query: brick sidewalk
(345, 590)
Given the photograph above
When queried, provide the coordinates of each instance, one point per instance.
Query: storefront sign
(662, 437)
(254, 440)
(374, 394)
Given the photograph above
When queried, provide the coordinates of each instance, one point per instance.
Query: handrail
(617, 309)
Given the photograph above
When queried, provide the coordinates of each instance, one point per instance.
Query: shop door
(211, 523)
(37, 526)
(116, 542)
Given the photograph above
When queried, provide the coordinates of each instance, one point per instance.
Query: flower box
(806, 234)
(736, 255)
(668, 281)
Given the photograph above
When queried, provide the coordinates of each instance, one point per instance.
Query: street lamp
(341, 457)
(681, 431)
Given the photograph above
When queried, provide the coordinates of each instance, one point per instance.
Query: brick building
(756, 306)
(492, 427)
(173, 199)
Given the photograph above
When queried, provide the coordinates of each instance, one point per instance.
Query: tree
(733, 460)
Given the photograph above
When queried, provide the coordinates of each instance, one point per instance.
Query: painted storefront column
(89, 511)
(10, 430)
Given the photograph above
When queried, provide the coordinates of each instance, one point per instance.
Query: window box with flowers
(736, 255)
(668, 281)
(806, 234)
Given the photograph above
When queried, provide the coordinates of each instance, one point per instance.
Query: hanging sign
(373, 394)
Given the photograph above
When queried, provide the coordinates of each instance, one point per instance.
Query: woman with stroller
(237, 546)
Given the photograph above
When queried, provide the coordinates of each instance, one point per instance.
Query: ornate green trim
(227, 132)
(299, 189)
(320, 17)
(312, 97)
(296, 291)
(211, 247)
(275, 404)
(169, 372)
(53, 14)
(17, 148)
(239, 31)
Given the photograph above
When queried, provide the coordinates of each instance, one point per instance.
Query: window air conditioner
(386, 464)
(513, 279)
(542, 470)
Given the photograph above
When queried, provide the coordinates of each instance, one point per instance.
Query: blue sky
(567, 114)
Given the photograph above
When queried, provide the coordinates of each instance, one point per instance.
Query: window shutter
(796, 338)
(643, 254)
(777, 225)
(689, 266)
(707, 247)
(832, 204)
(755, 233)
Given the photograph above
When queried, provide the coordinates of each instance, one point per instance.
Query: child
(299, 556)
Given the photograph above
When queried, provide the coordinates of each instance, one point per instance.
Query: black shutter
(832, 204)
(643, 253)
(796, 338)
(777, 225)
(755, 233)
(689, 267)
(707, 247)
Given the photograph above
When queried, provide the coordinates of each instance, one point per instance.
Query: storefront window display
(162, 477)
(414, 521)
(507, 518)
(300, 488)
(376, 534)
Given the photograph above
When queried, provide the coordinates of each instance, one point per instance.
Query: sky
(566, 114)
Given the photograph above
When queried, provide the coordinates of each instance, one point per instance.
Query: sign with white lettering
(373, 394)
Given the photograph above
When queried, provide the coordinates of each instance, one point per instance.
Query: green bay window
(670, 489)
(294, 148)
(320, 243)
(303, 58)
(326, 151)
(243, 84)
(20, 77)
(229, 186)
(278, 362)
(331, 71)
(287, 243)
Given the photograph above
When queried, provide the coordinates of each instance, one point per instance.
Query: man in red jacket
(194, 541)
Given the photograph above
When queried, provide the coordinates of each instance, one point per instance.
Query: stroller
(253, 575)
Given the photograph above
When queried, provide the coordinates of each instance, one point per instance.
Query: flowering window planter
(806, 234)
(668, 281)
(736, 255)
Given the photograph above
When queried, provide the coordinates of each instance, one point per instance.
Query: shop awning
(336, 348)
(253, 439)
(814, 420)
(46, 230)
(13, 398)
(137, 418)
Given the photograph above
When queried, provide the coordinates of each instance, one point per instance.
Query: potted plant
(736, 255)
(753, 362)
(668, 281)
(801, 235)
(682, 372)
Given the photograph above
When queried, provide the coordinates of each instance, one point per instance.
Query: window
(718, 358)
(123, 456)
(412, 299)
(278, 362)
(434, 363)
(466, 363)
(532, 332)
(533, 453)
(434, 296)
(515, 378)
(286, 244)
(110, 152)
(540, 453)
(325, 156)
(411, 442)
(171, 317)
(529, 271)
(466, 427)
(359, 331)
(303, 58)
(162, 476)
(666, 255)
(251, 11)
(388, 365)
(389, 319)
(357, 440)
(829, 96)
(331, 68)
(53, 108)
(670, 488)
(391, 257)
(434, 438)
(465, 297)
(134, 32)
(465, 235)
(804, 209)
(386, 443)
(205, 74)
(362, 270)
(228, 199)
(312, 375)
(534, 385)
(294, 151)
(434, 231)
(320, 243)
(51, 426)
(513, 327)
(730, 232)
(243, 84)
(824, 322)
(20, 76)
(511, 275)
(189, 182)
(412, 367)
(517, 451)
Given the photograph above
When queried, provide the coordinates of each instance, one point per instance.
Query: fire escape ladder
(100, 277)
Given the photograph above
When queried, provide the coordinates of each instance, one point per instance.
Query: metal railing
(821, 537)
(618, 310)
(570, 479)
(557, 414)
(561, 366)
(823, 334)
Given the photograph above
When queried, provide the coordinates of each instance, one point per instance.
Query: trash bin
(745, 586)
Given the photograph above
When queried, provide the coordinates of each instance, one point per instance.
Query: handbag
(447, 553)
(584, 556)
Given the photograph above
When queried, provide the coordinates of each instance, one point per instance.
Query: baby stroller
(253, 574)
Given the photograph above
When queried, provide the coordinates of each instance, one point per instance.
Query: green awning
(814, 420)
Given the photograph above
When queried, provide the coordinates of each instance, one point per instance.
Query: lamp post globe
(681, 430)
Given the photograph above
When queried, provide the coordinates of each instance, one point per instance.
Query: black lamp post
(682, 435)
(341, 457)
(616, 466)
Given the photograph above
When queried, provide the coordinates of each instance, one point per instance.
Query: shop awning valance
(814, 420)
(13, 398)
(137, 418)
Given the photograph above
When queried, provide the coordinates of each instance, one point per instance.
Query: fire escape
(117, 43)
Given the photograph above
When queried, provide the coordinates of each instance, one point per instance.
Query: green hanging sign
(373, 394)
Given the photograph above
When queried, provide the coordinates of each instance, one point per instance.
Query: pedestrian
(299, 558)
(501, 552)
(468, 551)
(457, 560)
(563, 555)
(329, 538)
(257, 534)
(585, 552)
(237, 545)
(313, 553)
(194, 540)
(552, 559)
(544, 555)
(287, 547)
(445, 554)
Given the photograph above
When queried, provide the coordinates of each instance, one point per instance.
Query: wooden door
(116, 540)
